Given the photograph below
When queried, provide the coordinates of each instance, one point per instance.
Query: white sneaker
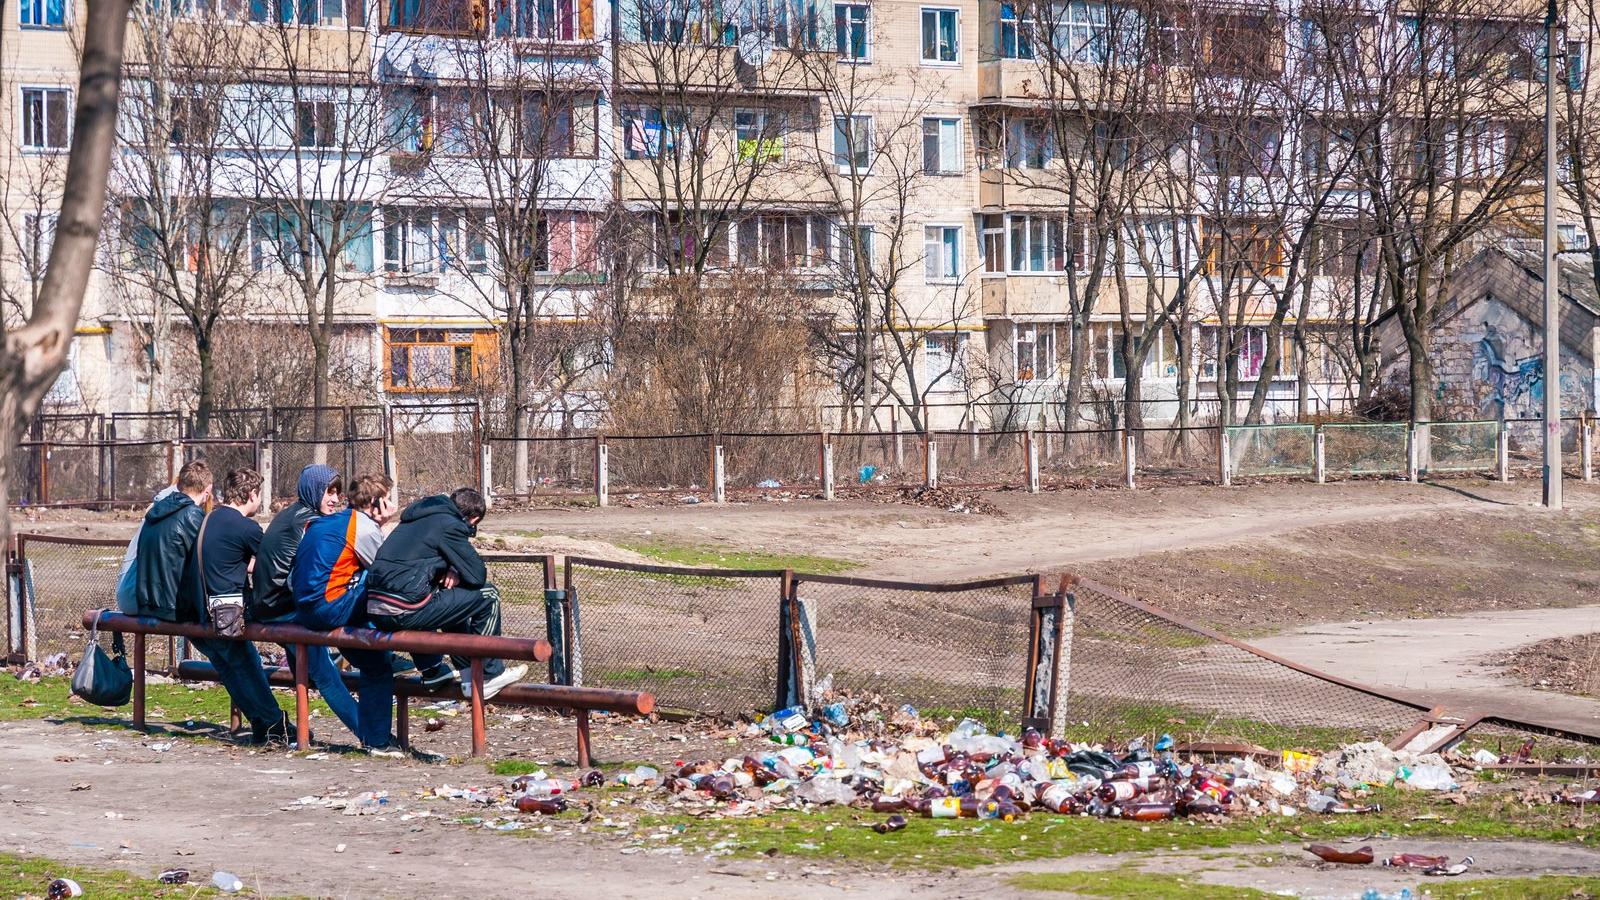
(386, 752)
(511, 675)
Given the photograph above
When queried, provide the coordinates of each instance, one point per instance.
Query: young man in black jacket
(170, 587)
(429, 577)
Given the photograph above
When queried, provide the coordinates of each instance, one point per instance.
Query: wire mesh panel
(699, 639)
(1461, 446)
(223, 456)
(25, 480)
(139, 469)
(1377, 448)
(435, 447)
(1093, 455)
(1177, 452)
(982, 457)
(955, 649)
(521, 580)
(74, 472)
(1135, 669)
(663, 463)
(67, 578)
(770, 461)
(867, 459)
(1272, 449)
(556, 465)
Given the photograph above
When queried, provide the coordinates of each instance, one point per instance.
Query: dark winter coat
(431, 539)
(165, 586)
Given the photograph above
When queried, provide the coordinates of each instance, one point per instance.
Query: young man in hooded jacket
(168, 587)
(429, 577)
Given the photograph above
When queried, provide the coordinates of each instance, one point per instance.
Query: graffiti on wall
(1507, 376)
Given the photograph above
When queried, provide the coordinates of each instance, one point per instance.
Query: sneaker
(271, 733)
(401, 664)
(494, 685)
(386, 752)
(439, 675)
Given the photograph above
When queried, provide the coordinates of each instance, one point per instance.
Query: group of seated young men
(323, 566)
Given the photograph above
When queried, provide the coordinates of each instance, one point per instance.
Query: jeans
(325, 677)
(375, 695)
(456, 611)
(239, 669)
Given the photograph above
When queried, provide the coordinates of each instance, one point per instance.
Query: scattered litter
(227, 882)
(174, 876)
(339, 849)
(162, 747)
(768, 484)
(367, 804)
(1449, 870)
(80, 786)
(1360, 857)
(1415, 861)
(62, 888)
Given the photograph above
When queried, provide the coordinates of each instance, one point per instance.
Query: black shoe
(401, 664)
(439, 675)
(270, 733)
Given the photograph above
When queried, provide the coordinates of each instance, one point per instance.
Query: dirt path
(1443, 658)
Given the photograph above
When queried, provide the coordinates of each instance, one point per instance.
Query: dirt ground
(1570, 665)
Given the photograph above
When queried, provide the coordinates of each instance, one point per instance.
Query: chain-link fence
(699, 639)
(1080, 456)
(949, 649)
(1461, 446)
(1272, 449)
(789, 461)
(555, 466)
(1135, 669)
(659, 463)
(436, 447)
(876, 459)
(1365, 448)
(982, 457)
(1187, 454)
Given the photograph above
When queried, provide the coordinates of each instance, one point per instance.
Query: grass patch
(52, 698)
(1128, 881)
(842, 834)
(1544, 887)
(696, 555)
(31, 875)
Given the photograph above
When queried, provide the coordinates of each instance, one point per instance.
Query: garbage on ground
(227, 882)
(1375, 894)
(1579, 799)
(62, 888)
(174, 876)
(1360, 857)
(1415, 861)
(768, 484)
(1450, 870)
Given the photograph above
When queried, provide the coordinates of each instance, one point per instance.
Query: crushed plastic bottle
(786, 720)
(62, 888)
(174, 876)
(836, 714)
(540, 788)
(640, 776)
(227, 882)
(367, 803)
(1431, 778)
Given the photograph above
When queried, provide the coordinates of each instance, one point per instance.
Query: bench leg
(402, 721)
(583, 739)
(480, 742)
(138, 682)
(302, 697)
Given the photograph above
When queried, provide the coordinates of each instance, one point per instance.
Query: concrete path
(1441, 659)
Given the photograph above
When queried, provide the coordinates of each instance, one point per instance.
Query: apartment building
(974, 183)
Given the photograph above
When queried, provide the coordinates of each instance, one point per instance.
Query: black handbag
(100, 679)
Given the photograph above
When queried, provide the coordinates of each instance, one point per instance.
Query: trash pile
(1429, 865)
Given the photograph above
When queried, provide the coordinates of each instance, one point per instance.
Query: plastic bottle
(1118, 791)
(1148, 812)
(1360, 857)
(65, 887)
(226, 882)
(1058, 798)
(788, 719)
(883, 803)
(959, 807)
(791, 739)
(539, 787)
(893, 823)
(639, 776)
(174, 876)
(1415, 861)
(722, 787)
(546, 806)
(595, 778)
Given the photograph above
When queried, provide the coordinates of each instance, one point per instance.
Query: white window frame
(45, 91)
(933, 256)
(922, 41)
(1041, 341)
(41, 7)
(1038, 223)
(846, 167)
(956, 145)
(39, 231)
(950, 375)
(841, 36)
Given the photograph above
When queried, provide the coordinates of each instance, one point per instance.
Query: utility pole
(1552, 314)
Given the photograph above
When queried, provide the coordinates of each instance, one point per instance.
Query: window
(940, 36)
(1035, 350)
(783, 241)
(646, 134)
(1038, 244)
(567, 243)
(941, 246)
(194, 121)
(314, 123)
(851, 31)
(758, 135)
(552, 124)
(993, 237)
(435, 16)
(1082, 32)
(795, 24)
(944, 361)
(435, 359)
(1157, 240)
(1571, 237)
(408, 240)
(1016, 33)
(44, 118)
(1255, 246)
(44, 13)
(274, 243)
(408, 120)
(38, 236)
(559, 20)
(1029, 143)
(941, 146)
(852, 142)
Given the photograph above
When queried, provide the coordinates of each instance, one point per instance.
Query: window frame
(922, 44)
(953, 276)
(952, 379)
(840, 39)
(42, 7)
(1042, 337)
(849, 167)
(944, 167)
(45, 92)
(479, 345)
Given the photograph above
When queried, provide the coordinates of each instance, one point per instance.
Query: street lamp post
(1552, 316)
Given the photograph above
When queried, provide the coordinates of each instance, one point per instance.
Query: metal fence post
(602, 486)
(1502, 452)
(930, 456)
(555, 625)
(1130, 457)
(1413, 454)
(899, 440)
(973, 428)
(1045, 707)
(827, 470)
(44, 472)
(1586, 446)
(1224, 457)
(174, 461)
(1031, 447)
(391, 468)
(719, 489)
(486, 475)
(264, 453)
(1319, 456)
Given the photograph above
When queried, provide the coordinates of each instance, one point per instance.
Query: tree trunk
(1269, 365)
(204, 401)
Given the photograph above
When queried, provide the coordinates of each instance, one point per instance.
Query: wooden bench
(474, 647)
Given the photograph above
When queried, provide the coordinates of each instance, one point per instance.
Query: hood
(437, 505)
(314, 481)
(167, 506)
